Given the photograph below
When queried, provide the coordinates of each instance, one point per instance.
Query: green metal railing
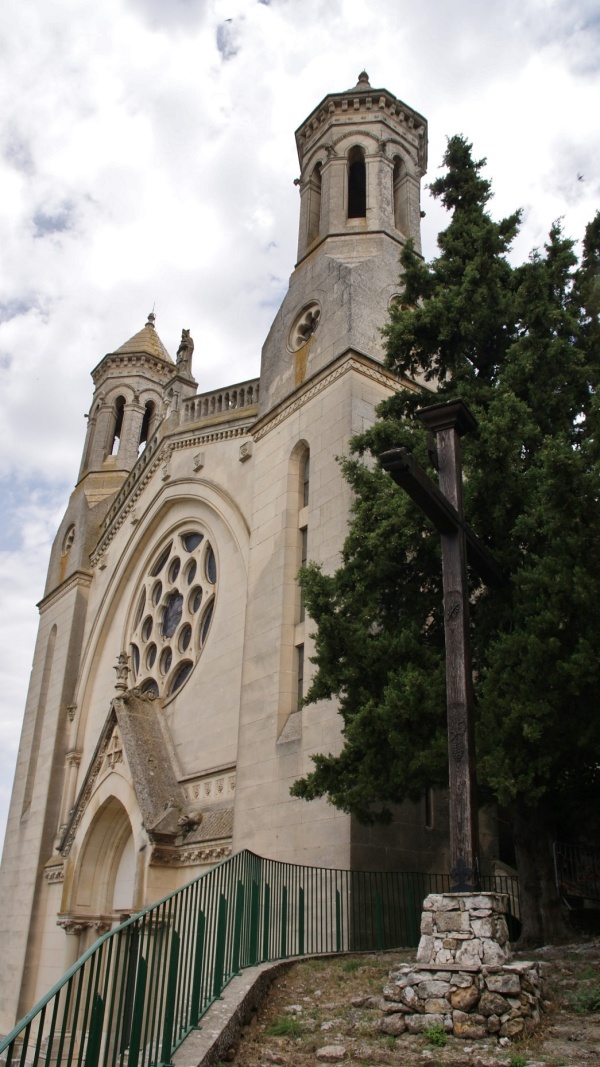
(136, 994)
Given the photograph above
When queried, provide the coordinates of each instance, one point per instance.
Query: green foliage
(521, 346)
(585, 999)
(517, 1059)
(436, 1035)
(284, 1026)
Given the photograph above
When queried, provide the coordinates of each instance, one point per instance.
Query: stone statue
(184, 354)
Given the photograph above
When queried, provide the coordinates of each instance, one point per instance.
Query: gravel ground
(328, 1011)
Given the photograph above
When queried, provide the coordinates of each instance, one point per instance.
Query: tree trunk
(541, 913)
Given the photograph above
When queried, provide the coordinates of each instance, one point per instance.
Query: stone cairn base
(464, 981)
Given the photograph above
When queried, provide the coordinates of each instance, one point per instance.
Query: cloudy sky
(147, 158)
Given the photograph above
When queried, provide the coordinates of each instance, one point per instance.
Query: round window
(173, 611)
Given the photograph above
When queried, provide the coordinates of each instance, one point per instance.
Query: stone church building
(162, 729)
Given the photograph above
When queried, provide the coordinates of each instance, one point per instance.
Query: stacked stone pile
(464, 928)
(470, 1004)
(463, 980)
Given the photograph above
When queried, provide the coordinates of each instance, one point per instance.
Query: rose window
(173, 613)
(304, 326)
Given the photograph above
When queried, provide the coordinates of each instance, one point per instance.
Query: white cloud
(147, 155)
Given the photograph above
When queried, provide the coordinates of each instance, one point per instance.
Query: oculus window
(172, 612)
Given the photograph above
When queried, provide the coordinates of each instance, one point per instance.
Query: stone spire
(146, 342)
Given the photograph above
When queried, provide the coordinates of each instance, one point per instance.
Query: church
(164, 725)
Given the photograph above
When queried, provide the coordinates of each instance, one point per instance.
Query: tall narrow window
(314, 204)
(116, 438)
(300, 670)
(303, 562)
(146, 424)
(400, 196)
(357, 184)
(305, 480)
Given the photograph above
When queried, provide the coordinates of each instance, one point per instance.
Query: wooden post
(449, 422)
(444, 506)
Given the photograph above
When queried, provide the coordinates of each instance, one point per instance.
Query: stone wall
(463, 980)
(469, 1003)
(464, 928)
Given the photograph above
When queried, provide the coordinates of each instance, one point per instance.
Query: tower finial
(363, 81)
(151, 318)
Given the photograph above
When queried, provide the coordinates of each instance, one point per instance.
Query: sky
(147, 160)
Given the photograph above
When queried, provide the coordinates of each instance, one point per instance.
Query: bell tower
(362, 155)
(127, 402)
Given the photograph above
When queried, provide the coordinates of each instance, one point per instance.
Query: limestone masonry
(163, 726)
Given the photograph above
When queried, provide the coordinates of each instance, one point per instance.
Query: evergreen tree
(521, 346)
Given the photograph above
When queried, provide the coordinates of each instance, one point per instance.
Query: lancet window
(357, 183)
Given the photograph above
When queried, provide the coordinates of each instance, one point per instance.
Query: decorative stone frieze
(190, 857)
(73, 924)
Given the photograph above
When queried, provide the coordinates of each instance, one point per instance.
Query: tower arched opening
(357, 183)
(314, 204)
(118, 426)
(147, 423)
(400, 185)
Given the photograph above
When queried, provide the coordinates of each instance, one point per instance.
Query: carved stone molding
(74, 924)
(79, 579)
(190, 857)
(122, 508)
(349, 362)
(55, 873)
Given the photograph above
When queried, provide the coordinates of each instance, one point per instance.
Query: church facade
(163, 726)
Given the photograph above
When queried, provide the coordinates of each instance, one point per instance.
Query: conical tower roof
(145, 342)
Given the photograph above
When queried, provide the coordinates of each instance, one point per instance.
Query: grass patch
(350, 966)
(585, 1000)
(517, 1059)
(436, 1035)
(284, 1026)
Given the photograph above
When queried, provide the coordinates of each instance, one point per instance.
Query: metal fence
(136, 994)
(577, 869)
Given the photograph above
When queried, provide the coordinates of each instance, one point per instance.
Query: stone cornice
(78, 579)
(350, 360)
(374, 104)
(141, 360)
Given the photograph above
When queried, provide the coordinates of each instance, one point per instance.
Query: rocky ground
(332, 1010)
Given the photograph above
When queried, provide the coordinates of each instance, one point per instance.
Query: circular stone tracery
(170, 622)
(305, 325)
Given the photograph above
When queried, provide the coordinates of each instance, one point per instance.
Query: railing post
(338, 921)
(220, 947)
(301, 921)
(254, 920)
(197, 978)
(379, 913)
(283, 955)
(95, 1033)
(237, 928)
(138, 1013)
(169, 1019)
(266, 920)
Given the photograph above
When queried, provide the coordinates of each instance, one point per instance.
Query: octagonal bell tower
(362, 155)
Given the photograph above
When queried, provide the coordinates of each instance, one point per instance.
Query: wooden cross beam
(444, 506)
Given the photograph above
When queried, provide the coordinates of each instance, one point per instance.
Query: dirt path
(328, 1011)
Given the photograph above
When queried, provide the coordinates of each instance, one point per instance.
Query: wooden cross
(444, 506)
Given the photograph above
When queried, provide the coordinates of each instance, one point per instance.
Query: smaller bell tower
(127, 402)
